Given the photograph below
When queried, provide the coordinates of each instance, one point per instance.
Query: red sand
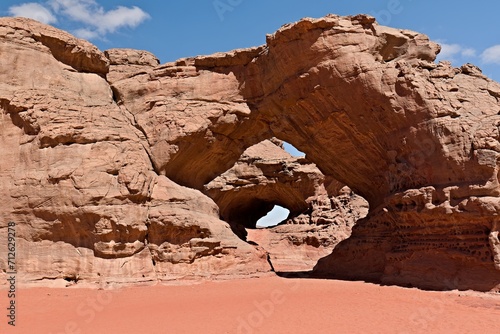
(265, 305)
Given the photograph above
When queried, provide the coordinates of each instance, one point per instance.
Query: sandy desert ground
(263, 305)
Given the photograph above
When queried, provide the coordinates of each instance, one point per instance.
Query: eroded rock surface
(77, 178)
(127, 62)
(370, 108)
(264, 176)
(298, 243)
(366, 103)
(21, 34)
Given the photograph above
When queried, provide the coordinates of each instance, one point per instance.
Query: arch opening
(274, 217)
(246, 215)
(317, 211)
(293, 151)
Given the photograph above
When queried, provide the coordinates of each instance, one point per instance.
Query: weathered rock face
(77, 179)
(370, 108)
(127, 62)
(80, 55)
(298, 244)
(366, 103)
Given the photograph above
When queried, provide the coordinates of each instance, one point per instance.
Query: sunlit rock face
(78, 181)
(107, 179)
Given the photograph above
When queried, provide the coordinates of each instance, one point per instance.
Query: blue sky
(467, 30)
(174, 29)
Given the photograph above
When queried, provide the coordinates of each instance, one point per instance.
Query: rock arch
(368, 105)
(106, 159)
(321, 214)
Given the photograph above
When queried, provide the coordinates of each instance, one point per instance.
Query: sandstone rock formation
(367, 104)
(298, 244)
(369, 107)
(266, 175)
(77, 179)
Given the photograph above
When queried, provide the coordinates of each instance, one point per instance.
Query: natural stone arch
(366, 103)
(264, 176)
(316, 83)
(321, 213)
(369, 106)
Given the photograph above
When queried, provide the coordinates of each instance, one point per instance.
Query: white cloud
(86, 34)
(449, 50)
(123, 17)
(34, 11)
(453, 51)
(491, 55)
(469, 52)
(95, 20)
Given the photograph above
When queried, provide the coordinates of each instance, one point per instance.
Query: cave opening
(274, 217)
(255, 214)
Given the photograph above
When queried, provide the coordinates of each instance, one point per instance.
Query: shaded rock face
(366, 103)
(266, 175)
(297, 244)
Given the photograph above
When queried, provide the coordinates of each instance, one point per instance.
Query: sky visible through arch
(273, 217)
(467, 30)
